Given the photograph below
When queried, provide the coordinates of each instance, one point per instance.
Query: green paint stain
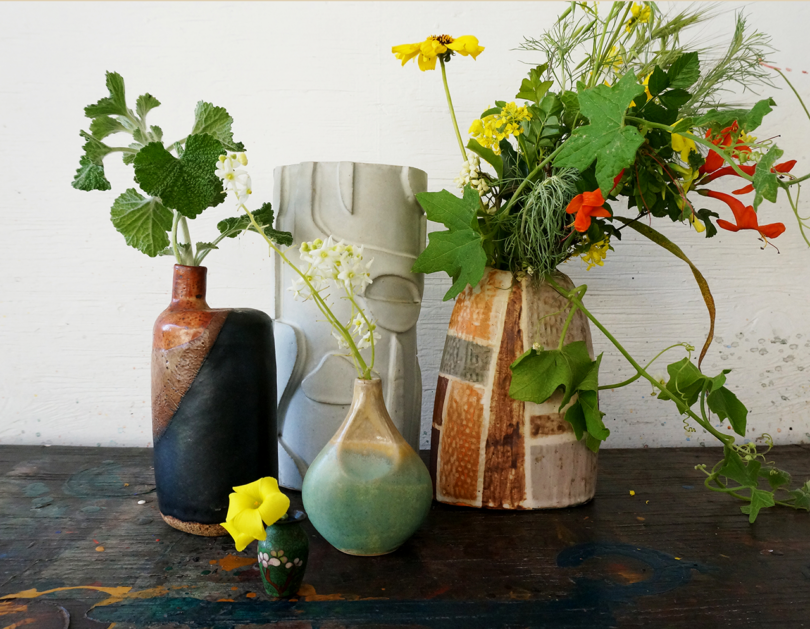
(206, 572)
(35, 489)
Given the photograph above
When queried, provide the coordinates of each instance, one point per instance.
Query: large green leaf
(215, 121)
(760, 499)
(685, 382)
(684, 71)
(115, 103)
(766, 183)
(801, 497)
(144, 222)
(661, 240)
(747, 119)
(606, 139)
(459, 251)
(188, 184)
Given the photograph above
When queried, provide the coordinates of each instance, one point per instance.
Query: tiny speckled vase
(367, 491)
(283, 555)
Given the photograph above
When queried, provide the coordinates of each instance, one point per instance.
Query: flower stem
(175, 223)
(452, 112)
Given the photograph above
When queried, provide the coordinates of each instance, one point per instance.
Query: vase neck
(368, 419)
(188, 288)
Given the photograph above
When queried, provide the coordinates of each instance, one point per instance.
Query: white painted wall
(317, 81)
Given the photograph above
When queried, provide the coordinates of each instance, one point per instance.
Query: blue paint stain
(688, 486)
(35, 489)
(591, 603)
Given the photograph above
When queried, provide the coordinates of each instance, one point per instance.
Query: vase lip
(294, 516)
(188, 266)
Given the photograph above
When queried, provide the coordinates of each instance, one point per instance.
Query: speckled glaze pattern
(283, 556)
(488, 450)
(213, 404)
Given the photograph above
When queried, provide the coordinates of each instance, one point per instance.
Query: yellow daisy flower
(640, 14)
(434, 47)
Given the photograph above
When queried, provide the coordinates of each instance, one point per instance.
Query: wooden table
(77, 550)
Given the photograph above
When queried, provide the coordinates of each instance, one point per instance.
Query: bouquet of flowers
(622, 122)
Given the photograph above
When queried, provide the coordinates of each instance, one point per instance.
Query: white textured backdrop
(317, 81)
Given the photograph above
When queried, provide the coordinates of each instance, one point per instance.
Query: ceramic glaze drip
(367, 491)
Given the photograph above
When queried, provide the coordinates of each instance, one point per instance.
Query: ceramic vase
(373, 205)
(213, 404)
(488, 450)
(367, 491)
(283, 556)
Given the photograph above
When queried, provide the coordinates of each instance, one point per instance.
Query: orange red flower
(744, 216)
(585, 206)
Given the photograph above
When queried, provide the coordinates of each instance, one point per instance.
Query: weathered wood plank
(672, 555)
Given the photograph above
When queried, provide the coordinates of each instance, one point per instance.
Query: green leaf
(205, 246)
(747, 119)
(488, 155)
(234, 226)
(776, 478)
(661, 240)
(659, 81)
(102, 126)
(675, 99)
(536, 377)
(684, 71)
(735, 469)
(145, 104)
(589, 402)
(534, 88)
(760, 499)
(157, 132)
(188, 184)
(459, 252)
(216, 122)
(766, 183)
(90, 176)
(606, 139)
(94, 149)
(725, 405)
(115, 103)
(706, 215)
(575, 415)
(144, 222)
(801, 497)
(683, 125)
(685, 382)
(129, 158)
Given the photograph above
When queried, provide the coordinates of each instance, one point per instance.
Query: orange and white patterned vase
(488, 450)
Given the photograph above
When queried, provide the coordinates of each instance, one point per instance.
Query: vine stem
(580, 293)
(631, 380)
(452, 112)
(572, 296)
(319, 301)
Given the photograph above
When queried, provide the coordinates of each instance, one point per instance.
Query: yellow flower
(597, 253)
(490, 130)
(697, 223)
(249, 506)
(434, 47)
(640, 13)
(615, 60)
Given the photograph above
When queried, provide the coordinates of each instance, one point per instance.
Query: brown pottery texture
(488, 450)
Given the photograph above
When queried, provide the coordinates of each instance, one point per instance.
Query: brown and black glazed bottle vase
(213, 404)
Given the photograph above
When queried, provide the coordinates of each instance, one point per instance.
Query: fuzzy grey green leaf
(144, 222)
(216, 122)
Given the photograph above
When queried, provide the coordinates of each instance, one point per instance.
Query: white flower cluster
(471, 174)
(329, 261)
(234, 178)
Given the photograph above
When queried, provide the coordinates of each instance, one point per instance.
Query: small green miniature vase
(367, 491)
(283, 555)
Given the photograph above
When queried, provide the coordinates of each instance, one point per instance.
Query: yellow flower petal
(268, 486)
(238, 503)
(241, 540)
(466, 45)
(251, 489)
(249, 522)
(426, 63)
(405, 52)
(274, 507)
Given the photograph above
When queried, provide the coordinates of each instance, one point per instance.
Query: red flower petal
(745, 190)
(594, 199)
(773, 230)
(575, 204)
(726, 225)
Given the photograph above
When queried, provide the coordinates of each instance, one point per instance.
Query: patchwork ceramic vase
(488, 450)
(283, 555)
(213, 404)
(367, 491)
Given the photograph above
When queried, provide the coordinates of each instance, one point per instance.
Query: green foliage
(188, 184)
(684, 71)
(537, 375)
(458, 251)
(143, 221)
(102, 126)
(534, 88)
(766, 183)
(606, 140)
(215, 121)
(145, 104)
(115, 103)
(488, 155)
(90, 176)
(747, 119)
(232, 227)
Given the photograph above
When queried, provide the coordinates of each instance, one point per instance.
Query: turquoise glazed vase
(283, 555)
(367, 491)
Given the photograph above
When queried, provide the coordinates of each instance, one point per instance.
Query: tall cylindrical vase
(372, 205)
(213, 404)
(491, 451)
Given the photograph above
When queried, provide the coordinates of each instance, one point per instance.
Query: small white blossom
(470, 174)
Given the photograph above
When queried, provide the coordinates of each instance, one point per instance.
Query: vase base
(194, 528)
(355, 553)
